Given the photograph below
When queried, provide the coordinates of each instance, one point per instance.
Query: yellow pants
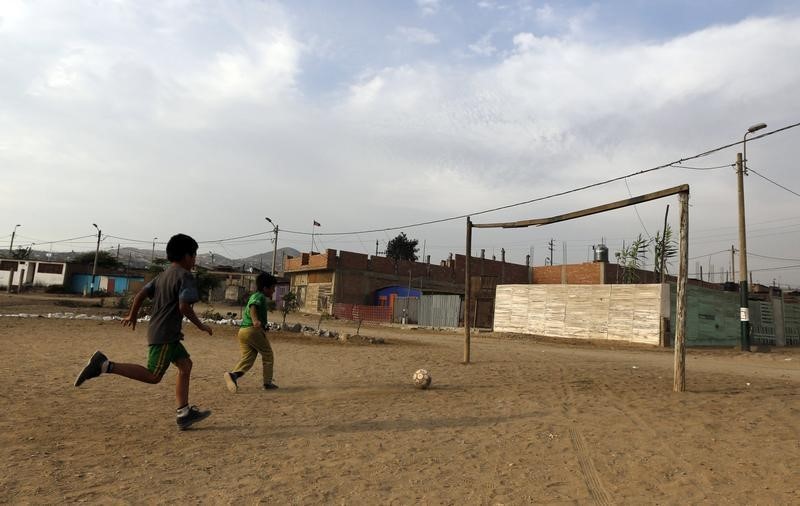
(252, 341)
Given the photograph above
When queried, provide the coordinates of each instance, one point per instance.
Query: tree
(157, 266)
(205, 282)
(670, 250)
(104, 259)
(290, 304)
(402, 248)
(21, 253)
(632, 257)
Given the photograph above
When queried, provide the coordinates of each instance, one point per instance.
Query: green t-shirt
(259, 300)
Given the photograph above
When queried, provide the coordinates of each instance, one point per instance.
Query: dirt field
(527, 422)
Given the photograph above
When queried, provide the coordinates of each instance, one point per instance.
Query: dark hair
(265, 280)
(179, 246)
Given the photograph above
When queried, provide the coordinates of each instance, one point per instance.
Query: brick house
(323, 280)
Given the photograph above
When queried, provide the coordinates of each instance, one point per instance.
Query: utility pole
(11, 246)
(744, 310)
(96, 253)
(550, 246)
(11, 255)
(733, 264)
(153, 253)
(274, 246)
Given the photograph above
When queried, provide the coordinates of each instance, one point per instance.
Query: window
(50, 268)
(8, 265)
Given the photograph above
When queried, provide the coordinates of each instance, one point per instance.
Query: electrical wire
(65, 240)
(710, 254)
(673, 164)
(703, 168)
(774, 258)
(636, 210)
(773, 182)
(566, 192)
(775, 268)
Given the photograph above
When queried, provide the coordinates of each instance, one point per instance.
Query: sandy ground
(528, 421)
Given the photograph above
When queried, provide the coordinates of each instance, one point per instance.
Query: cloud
(217, 100)
(416, 35)
(428, 7)
(483, 46)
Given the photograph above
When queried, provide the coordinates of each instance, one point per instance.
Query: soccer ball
(421, 379)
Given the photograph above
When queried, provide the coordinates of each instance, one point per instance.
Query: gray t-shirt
(168, 290)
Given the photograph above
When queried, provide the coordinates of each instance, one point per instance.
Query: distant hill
(137, 258)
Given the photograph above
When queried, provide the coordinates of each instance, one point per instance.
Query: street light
(96, 253)
(275, 245)
(744, 309)
(153, 254)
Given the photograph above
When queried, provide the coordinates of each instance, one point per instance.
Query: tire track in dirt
(637, 423)
(591, 478)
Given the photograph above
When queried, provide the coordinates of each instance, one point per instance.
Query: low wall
(614, 312)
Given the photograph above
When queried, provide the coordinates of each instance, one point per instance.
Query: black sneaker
(194, 415)
(230, 382)
(270, 386)
(93, 368)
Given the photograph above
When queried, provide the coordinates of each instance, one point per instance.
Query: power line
(673, 164)
(561, 194)
(636, 210)
(710, 254)
(776, 268)
(65, 240)
(773, 182)
(774, 258)
(703, 168)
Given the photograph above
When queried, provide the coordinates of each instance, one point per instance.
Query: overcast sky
(152, 118)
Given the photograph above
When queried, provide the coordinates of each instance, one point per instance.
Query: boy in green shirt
(253, 335)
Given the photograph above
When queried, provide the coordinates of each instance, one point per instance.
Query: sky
(370, 117)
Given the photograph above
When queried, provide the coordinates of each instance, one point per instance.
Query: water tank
(601, 253)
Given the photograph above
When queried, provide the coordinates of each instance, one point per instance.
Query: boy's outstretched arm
(188, 312)
(133, 315)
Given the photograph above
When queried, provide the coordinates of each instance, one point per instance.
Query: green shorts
(161, 355)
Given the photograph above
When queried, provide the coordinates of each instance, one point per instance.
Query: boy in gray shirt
(173, 292)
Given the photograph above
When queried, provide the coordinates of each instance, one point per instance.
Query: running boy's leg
(184, 366)
(99, 364)
(159, 356)
(249, 351)
(267, 359)
(185, 415)
(136, 372)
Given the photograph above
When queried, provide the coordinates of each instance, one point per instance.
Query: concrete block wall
(349, 260)
(589, 273)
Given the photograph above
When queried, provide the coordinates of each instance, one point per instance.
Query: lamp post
(275, 245)
(744, 309)
(153, 253)
(96, 253)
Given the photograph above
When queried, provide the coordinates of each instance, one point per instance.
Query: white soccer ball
(421, 379)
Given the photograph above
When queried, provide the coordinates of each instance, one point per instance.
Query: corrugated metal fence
(429, 310)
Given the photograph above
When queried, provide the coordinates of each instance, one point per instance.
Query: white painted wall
(29, 269)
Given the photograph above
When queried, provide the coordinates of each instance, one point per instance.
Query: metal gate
(440, 310)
